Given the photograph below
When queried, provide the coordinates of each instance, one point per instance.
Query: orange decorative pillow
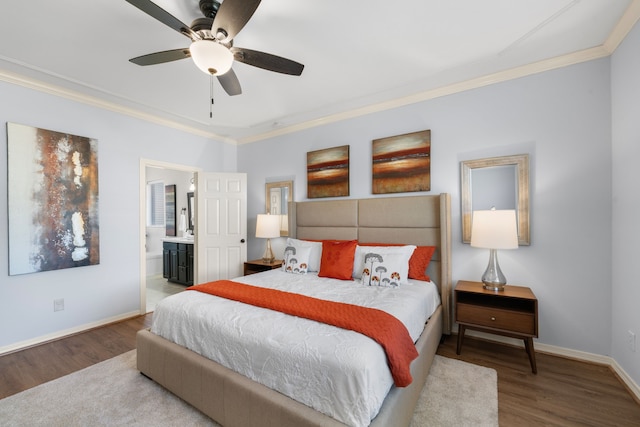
(420, 261)
(337, 259)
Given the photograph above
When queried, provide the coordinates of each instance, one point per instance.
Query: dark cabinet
(170, 261)
(177, 263)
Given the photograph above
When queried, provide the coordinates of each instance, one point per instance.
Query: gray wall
(562, 119)
(625, 83)
(111, 289)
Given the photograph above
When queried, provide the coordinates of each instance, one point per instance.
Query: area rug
(114, 393)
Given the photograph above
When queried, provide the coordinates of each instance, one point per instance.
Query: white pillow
(296, 260)
(382, 265)
(316, 251)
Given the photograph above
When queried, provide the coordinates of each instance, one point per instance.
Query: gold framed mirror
(277, 197)
(502, 182)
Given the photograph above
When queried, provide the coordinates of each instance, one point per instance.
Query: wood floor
(563, 393)
(28, 368)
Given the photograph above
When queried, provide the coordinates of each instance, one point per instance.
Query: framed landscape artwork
(328, 172)
(402, 163)
(53, 200)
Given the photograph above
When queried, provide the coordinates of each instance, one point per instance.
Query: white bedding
(338, 372)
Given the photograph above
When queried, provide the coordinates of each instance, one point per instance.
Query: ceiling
(359, 56)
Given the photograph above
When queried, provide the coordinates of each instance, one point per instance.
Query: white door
(220, 226)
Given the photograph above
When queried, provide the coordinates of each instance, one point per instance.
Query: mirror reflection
(502, 182)
(494, 187)
(277, 197)
(190, 210)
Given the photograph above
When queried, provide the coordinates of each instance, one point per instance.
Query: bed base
(234, 400)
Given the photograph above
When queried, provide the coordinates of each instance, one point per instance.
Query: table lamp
(493, 230)
(267, 227)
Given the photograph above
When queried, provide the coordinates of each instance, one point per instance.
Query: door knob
(241, 240)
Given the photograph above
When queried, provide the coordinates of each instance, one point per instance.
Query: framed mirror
(502, 182)
(190, 210)
(277, 197)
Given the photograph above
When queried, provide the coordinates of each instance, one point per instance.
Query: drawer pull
(493, 318)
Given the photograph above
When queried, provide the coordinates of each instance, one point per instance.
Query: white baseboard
(567, 353)
(633, 387)
(61, 334)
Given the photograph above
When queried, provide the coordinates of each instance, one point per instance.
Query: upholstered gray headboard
(417, 220)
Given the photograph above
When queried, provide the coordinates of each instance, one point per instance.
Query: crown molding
(94, 101)
(501, 76)
(626, 23)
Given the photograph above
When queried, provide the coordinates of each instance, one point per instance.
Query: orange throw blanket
(378, 325)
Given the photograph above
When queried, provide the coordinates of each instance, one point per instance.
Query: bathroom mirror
(190, 210)
(502, 182)
(277, 197)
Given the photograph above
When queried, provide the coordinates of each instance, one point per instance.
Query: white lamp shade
(211, 57)
(494, 229)
(268, 226)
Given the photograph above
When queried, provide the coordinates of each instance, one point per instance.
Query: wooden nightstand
(257, 266)
(512, 312)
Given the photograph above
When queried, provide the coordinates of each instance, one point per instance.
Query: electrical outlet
(58, 304)
(631, 340)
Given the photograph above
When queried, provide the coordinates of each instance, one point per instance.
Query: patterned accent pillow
(296, 260)
(418, 263)
(383, 266)
(316, 251)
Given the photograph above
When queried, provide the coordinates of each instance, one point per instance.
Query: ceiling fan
(211, 37)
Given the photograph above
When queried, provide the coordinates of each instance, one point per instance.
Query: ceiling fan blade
(161, 57)
(230, 83)
(163, 16)
(267, 61)
(232, 16)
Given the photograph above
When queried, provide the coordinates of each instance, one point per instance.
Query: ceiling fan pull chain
(211, 95)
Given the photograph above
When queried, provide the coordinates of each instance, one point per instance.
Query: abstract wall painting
(328, 172)
(53, 200)
(402, 163)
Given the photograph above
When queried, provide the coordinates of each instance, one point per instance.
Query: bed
(233, 399)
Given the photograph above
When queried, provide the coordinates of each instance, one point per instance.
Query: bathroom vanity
(177, 260)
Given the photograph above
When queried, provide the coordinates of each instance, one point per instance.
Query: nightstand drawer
(492, 317)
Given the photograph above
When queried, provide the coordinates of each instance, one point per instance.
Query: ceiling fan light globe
(211, 57)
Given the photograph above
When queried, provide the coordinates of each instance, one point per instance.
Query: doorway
(153, 286)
